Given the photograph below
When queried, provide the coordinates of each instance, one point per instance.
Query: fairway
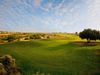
(54, 57)
(49, 37)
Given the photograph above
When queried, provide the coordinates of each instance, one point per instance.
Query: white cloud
(94, 13)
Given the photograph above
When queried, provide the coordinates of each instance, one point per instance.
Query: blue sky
(49, 15)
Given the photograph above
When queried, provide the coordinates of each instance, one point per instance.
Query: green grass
(70, 36)
(57, 57)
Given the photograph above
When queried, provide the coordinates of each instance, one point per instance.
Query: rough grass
(70, 36)
(54, 57)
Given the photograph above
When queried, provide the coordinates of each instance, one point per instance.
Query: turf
(56, 57)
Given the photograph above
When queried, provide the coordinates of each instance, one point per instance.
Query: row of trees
(15, 37)
(90, 34)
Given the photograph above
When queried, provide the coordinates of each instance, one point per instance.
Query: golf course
(68, 56)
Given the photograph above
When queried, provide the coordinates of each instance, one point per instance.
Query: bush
(11, 38)
(8, 66)
(35, 36)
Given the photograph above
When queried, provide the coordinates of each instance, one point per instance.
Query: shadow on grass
(26, 44)
(73, 45)
(70, 45)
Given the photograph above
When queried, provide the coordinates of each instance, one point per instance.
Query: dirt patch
(81, 43)
(97, 52)
(95, 72)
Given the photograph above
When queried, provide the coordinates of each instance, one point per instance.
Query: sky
(49, 15)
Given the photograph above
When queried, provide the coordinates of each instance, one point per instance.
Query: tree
(10, 38)
(98, 35)
(90, 34)
(85, 34)
(76, 33)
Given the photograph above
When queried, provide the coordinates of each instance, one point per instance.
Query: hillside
(56, 57)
